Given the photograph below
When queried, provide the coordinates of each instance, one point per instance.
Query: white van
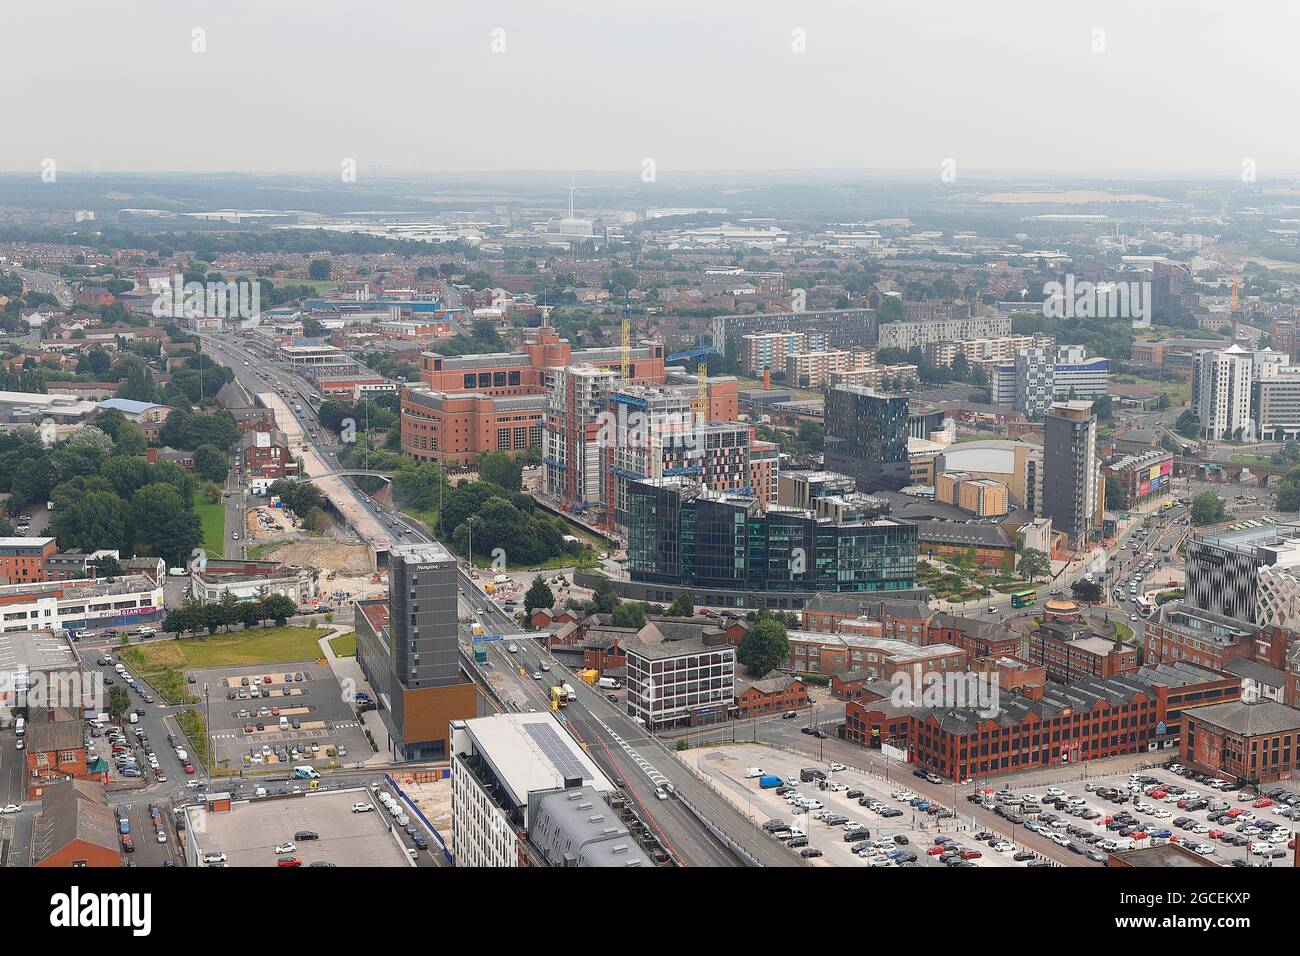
(284, 723)
(119, 667)
(135, 718)
(752, 772)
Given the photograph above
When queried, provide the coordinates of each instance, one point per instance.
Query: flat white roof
(525, 760)
(24, 542)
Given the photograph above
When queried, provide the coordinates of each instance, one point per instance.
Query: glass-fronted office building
(682, 535)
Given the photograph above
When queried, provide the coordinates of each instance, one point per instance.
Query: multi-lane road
(598, 725)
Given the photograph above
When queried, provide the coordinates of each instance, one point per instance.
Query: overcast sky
(1182, 87)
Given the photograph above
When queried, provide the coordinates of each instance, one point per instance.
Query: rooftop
(78, 588)
(670, 649)
(1250, 720)
(34, 543)
(251, 828)
(35, 650)
(531, 751)
(1171, 854)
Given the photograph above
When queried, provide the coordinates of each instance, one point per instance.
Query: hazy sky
(1182, 86)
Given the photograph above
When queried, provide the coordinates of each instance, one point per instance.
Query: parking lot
(894, 826)
(126, 751)
(1159, 806)
(249, 706)
(250, 832)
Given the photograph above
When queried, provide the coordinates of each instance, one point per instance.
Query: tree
(1187, 424)
(1115, 498)
(211, 463)
(1207, 508)
(129, 440)
(119, 701)
(109, 421)
(163, 525)
(31, 482)
(278, 608)
(138, 384)
(1035, 563)
(319, 270)
(107, 566)
(604, 597)
(231, 612)
(1086, 591)
(251, 613)
(683, 605)
(538, 595)
(501, 469)
(90, 436)
(764, 647)
(629, 614)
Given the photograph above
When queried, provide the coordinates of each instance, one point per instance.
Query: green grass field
(1180, 392)
(212, 516)
(345, 645)
(272, 645)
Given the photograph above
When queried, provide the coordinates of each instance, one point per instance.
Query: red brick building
(524, 372)
(605, 652)
(1072, 650)
(1089, 720)
(266, 455)
(1250, 743)
(977, 638)
(773, 695)
(861, 685)
(471, 404)
(23, 559)
(455, 429)
(55, 749)
(75, 828)
(544, 618)
(1178, 632)
(830, 654)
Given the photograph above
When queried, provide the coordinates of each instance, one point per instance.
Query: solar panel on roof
(549, 742)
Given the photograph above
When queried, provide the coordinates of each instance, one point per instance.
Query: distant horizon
(1116, 174)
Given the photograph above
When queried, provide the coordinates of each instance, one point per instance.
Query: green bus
(1022, 598)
